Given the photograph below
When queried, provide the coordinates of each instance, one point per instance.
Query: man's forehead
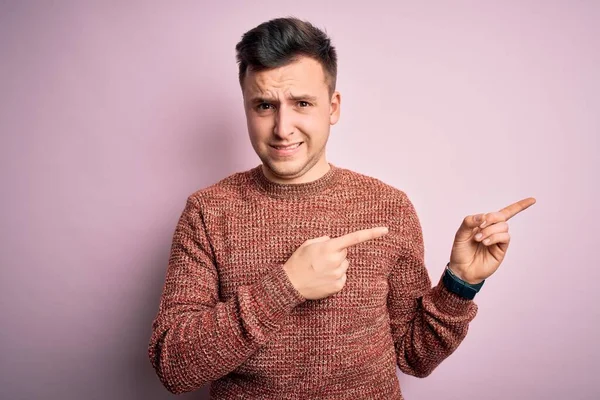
(299, 76)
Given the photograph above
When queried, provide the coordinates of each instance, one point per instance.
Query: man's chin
(286, 170)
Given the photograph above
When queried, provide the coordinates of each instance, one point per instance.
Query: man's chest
(249, 244)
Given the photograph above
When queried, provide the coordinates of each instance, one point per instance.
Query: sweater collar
(295, 190)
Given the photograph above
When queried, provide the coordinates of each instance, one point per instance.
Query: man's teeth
(288, 147)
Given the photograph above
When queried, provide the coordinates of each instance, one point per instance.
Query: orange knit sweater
(229, 315)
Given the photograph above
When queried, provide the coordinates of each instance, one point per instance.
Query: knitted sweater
(229, 315)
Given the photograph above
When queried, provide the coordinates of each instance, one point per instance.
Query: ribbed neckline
(294, 190)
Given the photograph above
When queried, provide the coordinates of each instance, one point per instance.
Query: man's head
(287, 72)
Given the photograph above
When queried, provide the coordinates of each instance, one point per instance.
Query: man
(299, 279)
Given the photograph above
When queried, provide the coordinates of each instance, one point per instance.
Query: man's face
(289, 113)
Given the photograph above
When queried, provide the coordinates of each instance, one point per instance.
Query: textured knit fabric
(229, 315)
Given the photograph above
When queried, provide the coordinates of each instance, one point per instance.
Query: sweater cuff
(450, 303)
(276, 295)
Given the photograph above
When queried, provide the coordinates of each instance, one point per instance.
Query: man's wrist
(458, 286)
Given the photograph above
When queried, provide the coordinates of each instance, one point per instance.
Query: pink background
(113, 112)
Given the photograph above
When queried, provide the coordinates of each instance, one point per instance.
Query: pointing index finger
(354, 238)
(515, 208)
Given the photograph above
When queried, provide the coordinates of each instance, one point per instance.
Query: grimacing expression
(289, 112)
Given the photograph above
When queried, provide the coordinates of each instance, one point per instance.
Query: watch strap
(456, 285)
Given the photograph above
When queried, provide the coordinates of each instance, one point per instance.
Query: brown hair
(280, 41)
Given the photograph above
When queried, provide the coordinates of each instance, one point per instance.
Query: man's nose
(283, 123)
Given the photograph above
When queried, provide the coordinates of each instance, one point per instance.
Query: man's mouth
(287, 147)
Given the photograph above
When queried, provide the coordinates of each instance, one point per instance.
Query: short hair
(281, 41)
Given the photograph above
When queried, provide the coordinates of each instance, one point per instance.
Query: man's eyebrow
(301, 97)
(306, 97)
(261, 99)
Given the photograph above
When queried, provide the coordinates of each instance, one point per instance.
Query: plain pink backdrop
(113, 112)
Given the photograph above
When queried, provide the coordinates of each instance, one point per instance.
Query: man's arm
(427, 323)
(195, 337)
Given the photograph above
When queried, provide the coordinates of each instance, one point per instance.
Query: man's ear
(334, 108)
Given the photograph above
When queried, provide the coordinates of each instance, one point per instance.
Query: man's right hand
(317, 269)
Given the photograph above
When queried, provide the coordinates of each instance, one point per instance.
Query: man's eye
(303, 104)
(264, 106)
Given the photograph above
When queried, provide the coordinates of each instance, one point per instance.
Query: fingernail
(486, 241)
(478, 236)
(483, 224)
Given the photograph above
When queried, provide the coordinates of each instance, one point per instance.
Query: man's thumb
(316, 240)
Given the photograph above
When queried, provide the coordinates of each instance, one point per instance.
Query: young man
(298, 279)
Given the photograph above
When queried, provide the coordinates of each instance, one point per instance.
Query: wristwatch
(456, 285)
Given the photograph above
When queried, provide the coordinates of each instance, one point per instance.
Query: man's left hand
(481, 242)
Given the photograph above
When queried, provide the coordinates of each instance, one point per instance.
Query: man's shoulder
(370, 186)
(227, 189)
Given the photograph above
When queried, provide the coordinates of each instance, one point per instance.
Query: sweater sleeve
(195, 337)
(427, 323)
